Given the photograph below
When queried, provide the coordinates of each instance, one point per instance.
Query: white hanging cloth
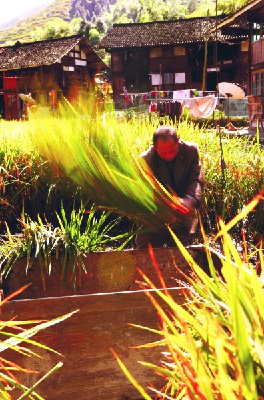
(201, 107)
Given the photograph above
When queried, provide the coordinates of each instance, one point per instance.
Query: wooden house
(45, 71)
(170, 56)
(252, 14)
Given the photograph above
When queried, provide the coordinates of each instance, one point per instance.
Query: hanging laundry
(171, 108)
(175, 110)
(201, 107)
(182, 94)
(163, 94)
(152, 107)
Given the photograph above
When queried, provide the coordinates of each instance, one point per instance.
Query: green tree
(94, 37)
(193, 5)
(77, 25)
(230, 6)
(177, 9)
(59, 28)
(100, 26)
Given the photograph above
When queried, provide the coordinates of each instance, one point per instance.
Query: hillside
(23, 29)
(95, 17)
(64, 10)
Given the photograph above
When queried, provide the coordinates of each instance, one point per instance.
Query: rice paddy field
(82, 156)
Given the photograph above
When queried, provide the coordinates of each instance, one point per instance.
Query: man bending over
(176, 165)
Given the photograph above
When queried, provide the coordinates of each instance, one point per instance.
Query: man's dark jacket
(188, 178)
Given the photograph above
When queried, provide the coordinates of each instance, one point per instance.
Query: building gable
(47, 52)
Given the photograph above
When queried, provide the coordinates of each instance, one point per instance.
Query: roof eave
(26, 66)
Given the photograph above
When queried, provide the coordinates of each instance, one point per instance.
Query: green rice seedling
(84, 232)
(212, 346)
(93, 153)
(74, 243)
(234, 170)
(100, 154)
(97, 153)
(28, 183)
(15, 336)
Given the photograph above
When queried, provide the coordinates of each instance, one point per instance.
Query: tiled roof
(46, 52)
(161, 33)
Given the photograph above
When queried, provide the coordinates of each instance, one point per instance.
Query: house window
(66, 68)
(256, 32)
(156, 79)
(255, 84)
(179, 51)
(180, 77)
(83, 55)
(168, 78)
(81, 62)
(155, 52)
(244, 46)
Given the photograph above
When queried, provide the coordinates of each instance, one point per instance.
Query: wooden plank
(108, 298)
(90, 370)
(106, 272)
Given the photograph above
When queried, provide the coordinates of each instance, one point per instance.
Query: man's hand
(188, 202)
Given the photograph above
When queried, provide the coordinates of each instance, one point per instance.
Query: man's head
(165, 142)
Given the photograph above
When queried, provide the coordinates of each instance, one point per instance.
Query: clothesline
(201, 104)
(179, 98)
(164, 94)
(199, 107)
(188, 98)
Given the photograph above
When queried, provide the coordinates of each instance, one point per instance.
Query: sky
(14, 8)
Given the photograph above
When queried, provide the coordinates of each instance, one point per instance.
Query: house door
(12, 106)
(12, 110)
(212, 81)
(118, 84)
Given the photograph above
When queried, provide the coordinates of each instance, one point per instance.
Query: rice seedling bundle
(102, 158)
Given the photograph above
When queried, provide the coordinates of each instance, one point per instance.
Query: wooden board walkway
(108, 299)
